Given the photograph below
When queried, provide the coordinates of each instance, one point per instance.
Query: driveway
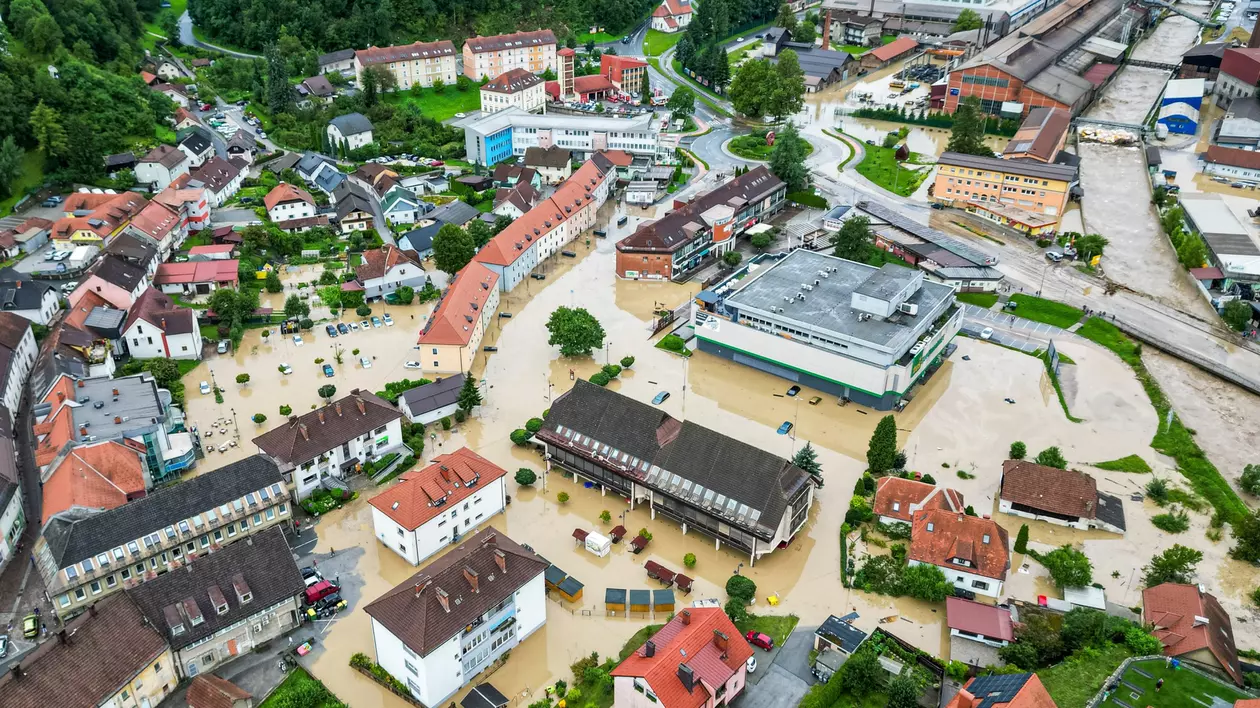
(783, 676)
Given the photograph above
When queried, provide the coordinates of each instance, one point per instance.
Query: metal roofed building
(858, 332)
(943, 258)
(725, 488)
(1232, 246)
(492, 138)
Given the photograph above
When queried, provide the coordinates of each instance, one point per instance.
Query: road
(188, 38)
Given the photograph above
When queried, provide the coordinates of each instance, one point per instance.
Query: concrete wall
(430, 678)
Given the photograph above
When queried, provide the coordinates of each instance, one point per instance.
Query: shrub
(260, 418)
(460, 415)
(736, 610)
(561, 687)
(957, 671)
(562, 497)
(1052, 457)
(859, 512)
(306, 323)
(1157, 490)
(605, 516)
(645, 533)
(520, 436)
(627, 362)
(897, 530)
(1141, 642)
(689, 560)
(1018, 450)
(1021, 539)
(599, 378)
(286, 411)
(533, 425)
(741, 587)
(928, 479)
(1250, 480)
(612, 370)
(1255, 596)
(1177, 521)
(525, 476)
(673, 342)
(242, 378)
(319, 360)
(446, 422)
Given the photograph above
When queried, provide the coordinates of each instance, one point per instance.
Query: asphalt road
(188, 38)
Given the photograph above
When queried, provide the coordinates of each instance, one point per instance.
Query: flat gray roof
(887, 281)
(1028, 168)
(136, 406)
(827, 308)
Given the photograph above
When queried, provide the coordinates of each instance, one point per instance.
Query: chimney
(687, 677)
(18, 285)
(649, 649)
(163, 324)
(445, 599)
(362, 408)
(61, 396)
(420, 587)
(500, 559)
(965, 699)
(82, 430)
(446, 472)
(471, 576)
(92, 609)
(61, 637)
(320, 414)
(720, 640)
(302, 430)
(826, 29)
(337, 405)
(685, 615)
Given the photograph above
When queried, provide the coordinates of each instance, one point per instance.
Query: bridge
(1153, 65)
(1135, 128)
(1206, 22)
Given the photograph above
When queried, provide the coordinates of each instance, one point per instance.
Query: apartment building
(85, 555)
(986, 184)
(452, 335)
(514, 87)
(418, 63)
(510, 132)
(534, 52)
(17, 356)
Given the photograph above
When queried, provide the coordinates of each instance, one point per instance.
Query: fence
(1114, 678)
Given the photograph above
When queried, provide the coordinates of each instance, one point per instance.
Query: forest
(716, 21)
(329, 25)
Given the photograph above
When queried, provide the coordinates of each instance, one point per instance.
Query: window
(110, 581)
(71, 573)
(184, 527)
(211, 517)
(218, 535)
(979, 585)
(410, 668)
(284, 508)
(231, 529)
(244, 526)
(118, 553)
(64, 600)
(170, 533)
(134, 548)
(271, 513)
(87, 566)
(896, 506)
(79, 594)
(931, 527)
(251, 499)
(96, 587)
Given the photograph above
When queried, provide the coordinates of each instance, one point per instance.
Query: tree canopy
(968, 19)
(854, 240)
(452, 249)
(682, 102)
(967, 134)
(787, 159)
(575, 331)
(1068, 567)
(1175, 565)
(883, 446)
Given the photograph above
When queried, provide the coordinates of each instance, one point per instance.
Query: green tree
(1090, 245)
(854, 241)
(787, 159)
(806, 458)
(296, 308)
(1069, 568)
(453, 248)
(786, 19)
(525, 476)
(469, 394)
(562, 497)
(260, 418)
(751, 86)
(575, 331)
(1246, 538)
(1018, 450)
(1237, 314)
(1052, 457)
(968, 19)
(736, 609)
(502, 221)
(480, 232)
(967, 134)
(805, 32)
(279, 90)
(787, 96)
(732, 258)
(1250, 480)
(439, 86)
(1192, 253)
(406, 294)
(43, 35)
(903, 691)
(682, 102)
(170, 28)
(862, 672)
(327, 391)
(330, 296)
(46, 127)
(883, 446)
(761, 241)
(1175, 565)
(10, 165)
(1021, 539)
(273, 283)
(741, 587)
(1038, 643)
(925, 582)
(242, 379)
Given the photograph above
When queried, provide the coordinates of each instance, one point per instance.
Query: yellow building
(1029, 186)
(419, 63)
(534, 52)
(453, 334)
(99, 226)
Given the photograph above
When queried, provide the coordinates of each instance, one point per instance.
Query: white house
(515, 87)
(353, 129)
(286, 201)
(12, 518)
(157, 329)
(440, 628)
(386, 269)
(972, 552)
(415, 525)
(161, 166)
(671, 15)
(432, 402)
(401, 206)
(697, 660)
(17, 342)
(197, 146)
(328, 443)
(220, 178)
(36, 301)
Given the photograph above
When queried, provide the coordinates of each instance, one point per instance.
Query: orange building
(1040, 189)
(626, 73)
(534, 52)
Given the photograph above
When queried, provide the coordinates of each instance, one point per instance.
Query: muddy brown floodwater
(957, 419)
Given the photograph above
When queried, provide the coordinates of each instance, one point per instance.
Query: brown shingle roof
(512, 81)
(511, 41)
(210, 691)
(169, 157)
(1040, 133)
(1187, 620)
(668, 233)
(955, 535)
(285, 192)
(378, 261)
(304, 437)
(908, 496)
(405, 52)
(1066, 492)
(553, 156)
(431, 606)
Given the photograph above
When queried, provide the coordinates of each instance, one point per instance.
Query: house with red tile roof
(883, 56)
(972, 624)
(671, 15)
(1192, 626)
(972, 552)
(99, 225)
(157, 328)
(1062, 497)
(411, 517)
(97, 477)
(210, 691)
(697, 660)
(627, 74)
(286, 201)
(1003, 691)
(388, 268)
(452, 335)
(897, 499)
(197, 277)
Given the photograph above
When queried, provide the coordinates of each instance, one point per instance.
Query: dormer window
(931, 527)
(217, 600)
(251, 499)
(986, 539)
(896, 506)
(170, 533)
(184, 528)
(237, 506)
(87, 566)
(243, 593)
(72, 573)
(265, 496)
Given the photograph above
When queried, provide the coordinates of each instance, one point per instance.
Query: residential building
(725, 488)
(554, 164)
(977, 623)
(226, 603)
(432, 402)
(316, 90)
(1041, 136)
(339, 62)
(1240, 127)
(511, 175)
(1232, 247)
(534, 52)
(429, 183)
(420, 239)
(944, 259)
(164, 226)
(127, 160)
(383, 270)
(157, 328)
(436, 506)
(110, 656)
(175, 92)
(402, 207)
(836, 634)
(320, 172)
(971, 551)
(183, 121)
(1234, 164)
(83, 555)
(192, 205)
(702, 229)
(286, 201)
(1193, 627)
(100, 225)
(134, 249)
(197, 146)
(220, 178)
(1003, 691)
(886, 54)
(457, 212)
(1180, 105)
(854, 29)
(213, 252)
(671, 15)
(30, 235)
(117, 281)
(697, 660)
(452, 335)
(12, 501)
(353, 130)
(441, 627)
(1063, 497)
(515, 87)
(241, 147)
(1202, 62)
(514, 202)
(96, 476)
(161, 166)
(197, 277)
(627, 74)
(822, 67)
(1239, 75)
(417, 63)
(897, 499)
(30, 300)
(210, 691)
(857, 332)
(972, 181)
(333, 440)
(493, 138)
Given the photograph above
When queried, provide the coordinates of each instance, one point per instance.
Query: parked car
(69, 287)
(205, 387)
(365, 325)
(815, 400)
(223, 346)
(331, 330)
(411, 365)
(751, 665)
(785, 428)
(342, 328)
(328, 371)
(319, 591)
(376, 321)
(286, 369)
(206, 106)
(354, 327)
(389, 321)
(297, 340)
(660, 398)
(4, 645)
(311, 576)
(986, 333)
(794, 390)
(366, 362)
(52, 201)
(30, 626)
(461, 115)
(760, 639)
(1053, 257)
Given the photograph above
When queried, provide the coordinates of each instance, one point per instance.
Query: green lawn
(706, 96)
(753, 147)
(599, 38)
(855, 49)
(439, 106)
(985, 300)
(177, 8)
(1048, 311)
(777, 626)
(31, 176)
(1128, 463)
(734, 57)
(1074, 681)
(1181, 688)
(657, 42)
(637, 639)
(301, 687)
(881, 167)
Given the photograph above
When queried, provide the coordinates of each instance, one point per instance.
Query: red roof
(592, 84)
(102, 476)
(449, 478)
(1099, 73)
(612, 65)
(224, 271)
(1187, 620)
(899, 498)
(464, 299)
(1206, 273)
(979, 618)
(211, 249)
(1233, 157)
(954, 536)
(210, 691)
(285, 192)
(673, 7)
(691, 638)
(620, 158)
(1032, 694)
(1242, 63)
(378, 261)
(894, 49)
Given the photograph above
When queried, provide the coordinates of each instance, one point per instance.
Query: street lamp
(234, 425)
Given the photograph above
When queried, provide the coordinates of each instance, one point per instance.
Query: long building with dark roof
(417, 63)
(739, 494)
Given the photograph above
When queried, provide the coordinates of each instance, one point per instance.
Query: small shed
(683, 583)
(640, 600)
(615, 600)
(553, 576)
(570, 589)
(598, 544)
(618, 533)
(638, 544)
(484, 696)
(663, 600)
(579, 535)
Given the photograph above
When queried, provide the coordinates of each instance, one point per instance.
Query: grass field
(753, 147)
(655, 43)
(177, 8)
(881, 167)
(637, 639)
(301, 686)
(734, 57)
(1129, 463)
(598, 38)
(985, 300)
(1182, 687)
(777, 626)
(31, 176)
(1074, 681)
(439, 106)
(1047, 311)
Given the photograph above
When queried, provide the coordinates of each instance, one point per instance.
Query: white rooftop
(1185, 88)
(513, 116)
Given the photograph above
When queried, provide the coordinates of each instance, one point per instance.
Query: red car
(206, 106)
(758, 639)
